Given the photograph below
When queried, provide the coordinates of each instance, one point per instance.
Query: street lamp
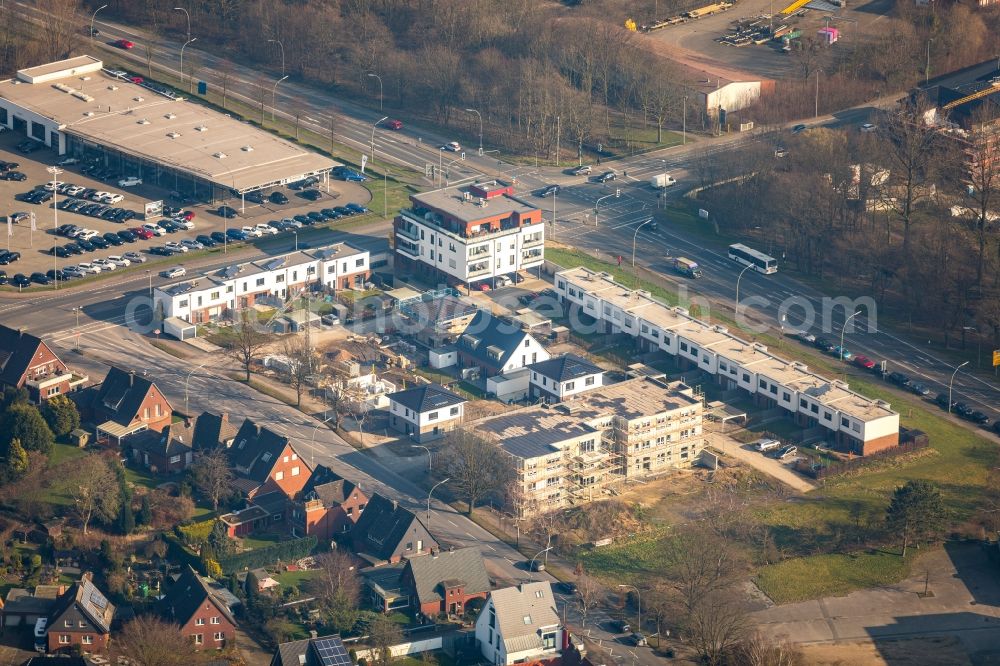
(418, 446)
(638, 598)
(843, 330)
(635, 236)
(480, 128)
(374, 127)
(187, 14)
(376, 76)
(55, 171)
(738, 278)
(312, 438)
(77, 311)
(951, 382)
(816, 110)
(597, 203)
(282, 47)
(296, 234)
(531, 562)
(684, 130)
(431, 492)
(186, 380)
(274, 92)
(149, 276)
(192, 39)
(92, 19)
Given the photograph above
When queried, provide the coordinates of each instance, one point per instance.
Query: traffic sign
(996, 357)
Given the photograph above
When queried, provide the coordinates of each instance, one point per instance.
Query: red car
(145, 234)
(188, 215)
(124, 44)
(482, 286)
(864, 362)
(136, 79)
(394, 124)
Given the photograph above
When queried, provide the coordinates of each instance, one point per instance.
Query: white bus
(750, 257)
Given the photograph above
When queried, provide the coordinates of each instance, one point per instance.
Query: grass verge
(817, 576)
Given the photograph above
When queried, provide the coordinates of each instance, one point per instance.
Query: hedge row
(285, 551)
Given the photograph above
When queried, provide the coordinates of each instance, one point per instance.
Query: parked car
(621, 626)
(863, 361)
(252, 231)
(114, 198)
(176, 247)
(254, 197)
(806, 337)
(20, 281)
(349, 175)
(942, 400)
(134, 257)
(583, 170)
(824, 344)
(142, 232)
(119, 260)
(73, 248)
(85, 245)
(227, 212)
(56, 274)
(127, 236)
(130, 181)
(798, 129)
(237, 234)
(39, 278)
(311, 195)
(316, 216)
(266, 229)
(73, 272)
(897, 378)
(331, 214)
(785, 452)
(161, 251)
(868, 127)
(14, 175)
(918, 388)
(87, 267)
(843, 353)
(206, 241)
(962, 410)
(192, 244)
(766, 444)
(105, 264)
(154, 229)
(7, 257)
(100, 243)
(638, 640)
(357, 209)
(175, 272)
(979, 417)
(343, 210)
(278, 198)
(218, 237)
(60, 251)
(566, 587)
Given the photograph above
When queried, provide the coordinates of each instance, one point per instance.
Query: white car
(453, 146)
(130, 181)
(192, 244)
(267, 229)
(182, 223)
(74, 190)
(154, 229)
(135, 257)
(295, 224)
(113, 198)
(105, 264)
(87, 234)
(88, 268)
(53, 185)
(72, 271)
(117, 73)
(868, 127)
(177, 271)
(67, 161)
(99, 196)
(252, 231)
(175, 247)
(119, 261)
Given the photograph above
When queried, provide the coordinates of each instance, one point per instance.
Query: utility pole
(558, 128)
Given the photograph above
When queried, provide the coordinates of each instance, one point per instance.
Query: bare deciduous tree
(589, 593)
(337, 588)
(212, 475)
(383, 633)
(95, 490)
(150, 641)
(248, 340)
(476, 466)
(301, 365)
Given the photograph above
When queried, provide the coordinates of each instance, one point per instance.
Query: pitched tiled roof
(565, 368)
(121, 394)
(187, 595)
(322, 651)
(90, 601)
(522, 611)
(210, 430)
(487, 331)
(328, 487)
(464, 565)
(382, 526)
(174, 440)
(16, 351)
(426, 398)
(255, 450)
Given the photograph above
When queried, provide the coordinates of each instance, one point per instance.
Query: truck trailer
(687, 267)
(662, 180)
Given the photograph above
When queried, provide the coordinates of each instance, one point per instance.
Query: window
(549, 641)
(409, 545)
(570, 386)
(786, 396)
(527, 619)
(199, 639)
(746, 377)
(214, 296)
(182, 304)
(219, 636)
(722, 366)
(68, 623)
(358, 263)
(63, 639)
(278, 476)
(285, 459)
(827, 416)
(145, 412)
(589, 381)
(295, 471)
(87, 639)
(684, 346)
(454, 411)
(158, 410)
(802, 403)
(279, 278)
(199, 622)
(814, 409)
(844, 422)
(774, 389)
(260, 282)
(432, 416)
(762, 383)
(527, 343)
(174, 460)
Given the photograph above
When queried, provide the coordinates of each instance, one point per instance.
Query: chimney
(187, 421)
(131, 378)
(395, 505)
(313, 633)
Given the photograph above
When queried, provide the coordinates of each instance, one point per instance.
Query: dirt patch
(913, 652)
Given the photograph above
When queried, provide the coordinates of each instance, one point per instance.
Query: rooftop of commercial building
(632, 399)
(534, 432)
(100, 107)
(459, 203)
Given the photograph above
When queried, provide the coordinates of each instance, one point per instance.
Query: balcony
(407, 230)
(408, 248)
(45, 381)
(452, 229)
(481, 268)
(532, 241)
(481, 251)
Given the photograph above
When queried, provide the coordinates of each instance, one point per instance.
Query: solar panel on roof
(98, 600)
(331, 652)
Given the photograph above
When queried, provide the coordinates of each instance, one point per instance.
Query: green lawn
(62, 452)
(297, 579)
(817, 576)
(142, 477)
(260, 540)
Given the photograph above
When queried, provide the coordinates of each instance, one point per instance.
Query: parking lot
(35, 247)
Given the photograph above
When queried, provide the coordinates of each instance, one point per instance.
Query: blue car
(357, 208)
(343, 173)
(237, 234)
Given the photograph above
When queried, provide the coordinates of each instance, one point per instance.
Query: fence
(835, 469)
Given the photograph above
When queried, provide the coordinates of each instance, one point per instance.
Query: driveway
(964, 602)
(732, 449)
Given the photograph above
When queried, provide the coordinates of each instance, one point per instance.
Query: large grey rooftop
(452, 201)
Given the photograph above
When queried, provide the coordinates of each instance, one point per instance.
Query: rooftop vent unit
(63, 87)
(112, 87)
(139, 99)
(201, 128)
(88, 113)
(84, 78)
(170, 116)
(247, 148)
(173, 135)
(220, 155)
(143, 121)
(80, 95)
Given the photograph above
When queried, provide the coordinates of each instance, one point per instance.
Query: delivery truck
(662, 180)
(687, 267)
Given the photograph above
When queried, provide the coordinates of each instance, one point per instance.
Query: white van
(766, 444)
(41, 637)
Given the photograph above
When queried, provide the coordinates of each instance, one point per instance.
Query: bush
(286, 551)
(196, 534)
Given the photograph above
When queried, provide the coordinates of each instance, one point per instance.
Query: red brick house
(27, 362)
(81, 619)
(263, 511)
(443, 582)
(327, 505)
(389, 533)
(265, 462)
(202, 617)
(124, 403)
